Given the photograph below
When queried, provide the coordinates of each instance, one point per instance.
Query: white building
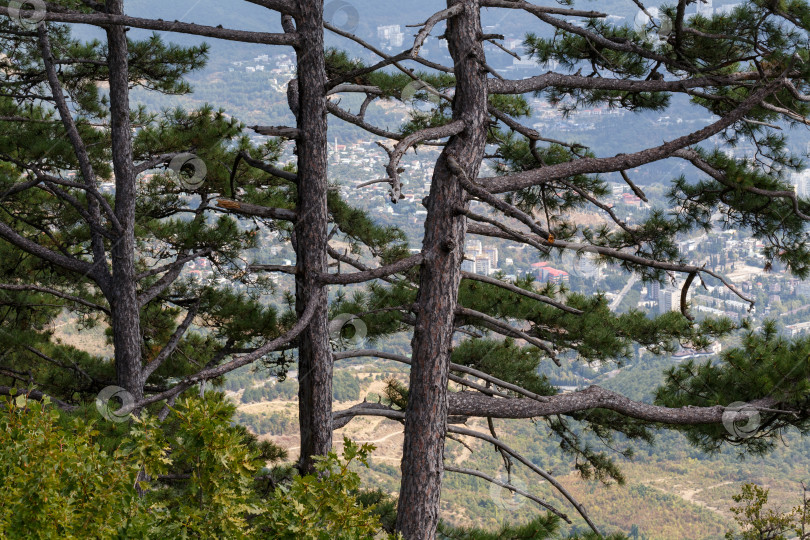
(473, 248)
(483, 265)
(492, 253)
(803, 289)
(801, 183)
(468, 266)
(704, 7)
(668, 300)
(390, 36)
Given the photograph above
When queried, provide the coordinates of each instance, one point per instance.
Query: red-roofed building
(631, 199)
(549, 274)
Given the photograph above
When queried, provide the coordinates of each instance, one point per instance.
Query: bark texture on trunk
(126, 323)
(443, 250)
(314, 352)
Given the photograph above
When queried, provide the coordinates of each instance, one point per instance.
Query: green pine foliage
(764, 365)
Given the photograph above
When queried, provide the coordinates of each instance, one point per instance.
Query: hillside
(672, 491)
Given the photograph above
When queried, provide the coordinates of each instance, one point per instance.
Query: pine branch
(523, 292)
(387, 59)
(596, 397)
(522, 180)
(180, 261)
(432, 21)
(68, 263)
(538, 83)
(503, 231)
(277, 131)
(531, 8)
(487, 197)
(54, 292)
(534, 468)
(79, 149)
(693, 157)
(172, 344)
(439, 132)
(249, 209)
(404, 360)
(474, 228)
(160, 285)
(376, 273)
(37, 396)
(285, 269)
(217, 371)
(500, 327)
(510, 487)
(57, 14)
(454, 367)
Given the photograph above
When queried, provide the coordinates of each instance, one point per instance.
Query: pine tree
(211, 197)
(720, 64)
(120, 259)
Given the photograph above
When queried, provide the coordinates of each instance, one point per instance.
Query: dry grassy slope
(91, 340)
(667, 501)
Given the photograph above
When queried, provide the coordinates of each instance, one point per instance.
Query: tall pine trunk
(314, 352)
(443, 248)
(126, 324)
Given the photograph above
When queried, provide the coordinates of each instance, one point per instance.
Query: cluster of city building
(479, 258)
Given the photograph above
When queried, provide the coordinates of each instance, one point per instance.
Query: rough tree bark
(123, 296)
(314, 352)
(443, 250)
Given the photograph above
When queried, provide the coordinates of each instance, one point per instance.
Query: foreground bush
(194, 476)
(58, 482)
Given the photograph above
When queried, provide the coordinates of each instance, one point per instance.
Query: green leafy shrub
(217, 498)
(58, 482)
(196, 475)
(325, 506)
(760, 523)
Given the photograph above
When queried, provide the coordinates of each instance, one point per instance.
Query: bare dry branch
(376, 273)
